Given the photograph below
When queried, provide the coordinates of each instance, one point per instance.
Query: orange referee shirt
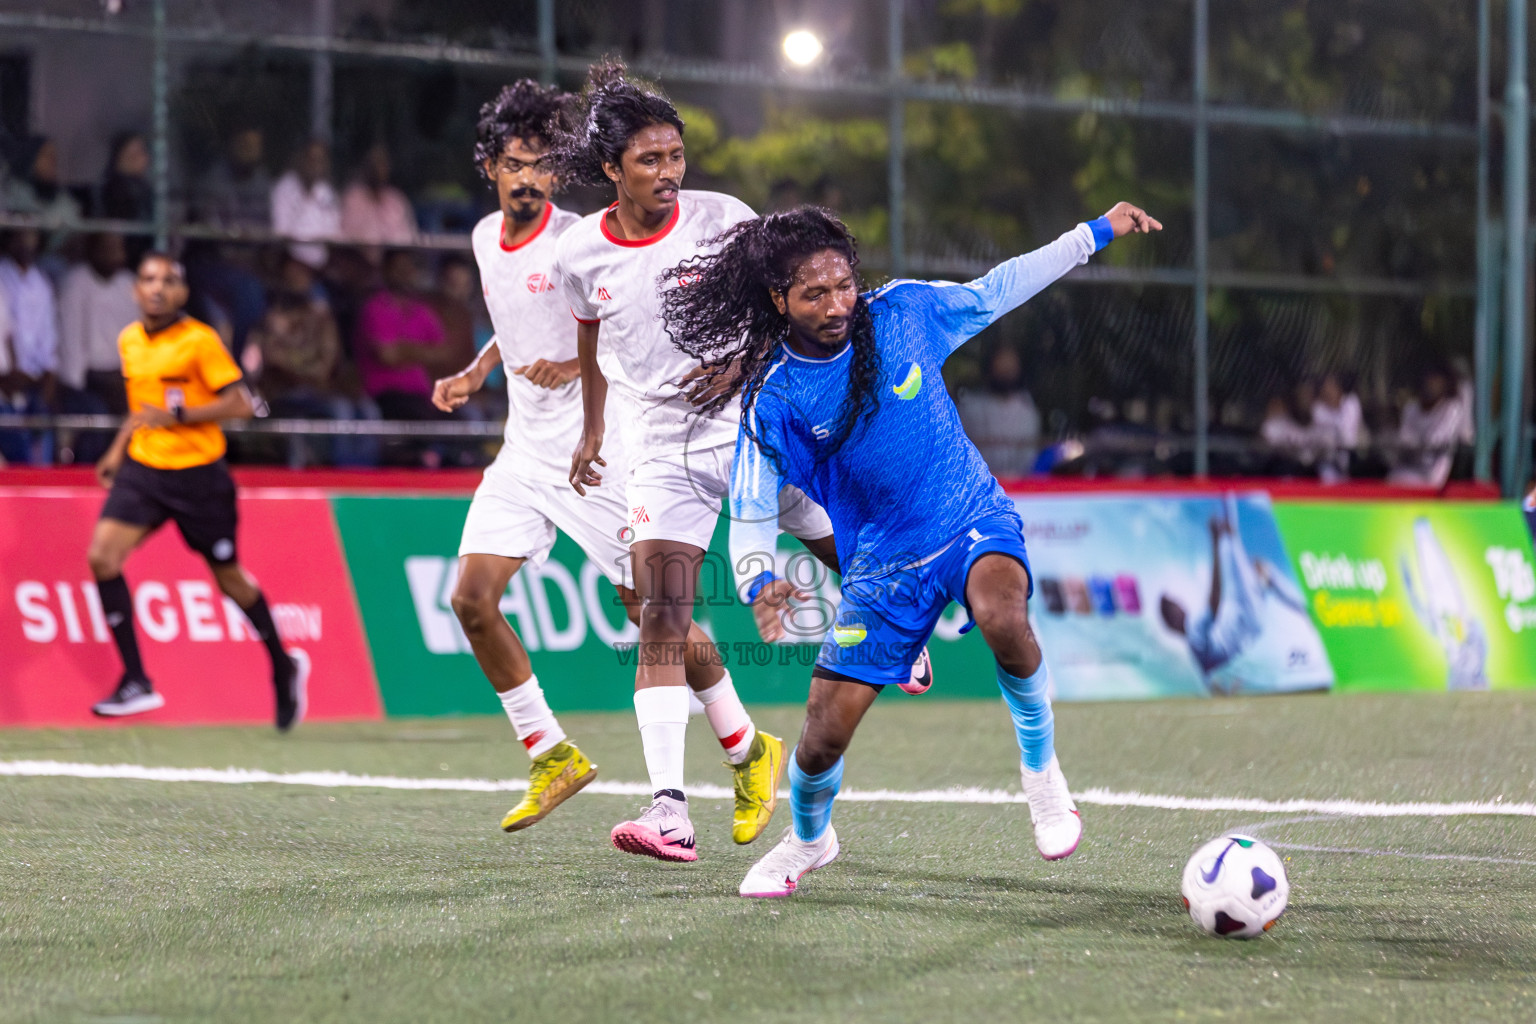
(185, 364)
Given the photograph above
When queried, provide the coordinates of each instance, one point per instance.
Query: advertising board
(1418, 595)
(198, 648)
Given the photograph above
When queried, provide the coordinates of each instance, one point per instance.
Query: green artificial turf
(128, 900)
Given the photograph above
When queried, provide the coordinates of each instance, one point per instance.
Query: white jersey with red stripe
(615, 282)
(532, 322)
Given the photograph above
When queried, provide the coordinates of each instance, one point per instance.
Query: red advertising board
(56, 655)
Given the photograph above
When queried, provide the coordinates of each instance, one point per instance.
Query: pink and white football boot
(922, 675)
(663, 832)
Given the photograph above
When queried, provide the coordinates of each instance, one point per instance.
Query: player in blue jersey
(843, 397)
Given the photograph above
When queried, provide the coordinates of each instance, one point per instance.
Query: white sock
(531, 718)
(662, 712)
(728, 717)
(695, 706)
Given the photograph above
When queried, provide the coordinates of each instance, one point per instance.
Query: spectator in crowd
(34, 350)
(304, 204)
(125, 189)
(34, 185)
(374, 212)
(1122, 442)
(296, 353)
(1001, 420)
(1290, 440)
(13, 444)
(236, 192)
(228, 290)
(1338, 425)
(458, 280)
(95, 303)
(350, 281)
(1433, 423)
(466, 325)
(453, 300)
(1303, 398)
(401, 347)
(1461, 371)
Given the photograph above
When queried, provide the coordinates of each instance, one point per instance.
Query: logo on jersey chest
(908, 389)
(603, 296)
(539, 283)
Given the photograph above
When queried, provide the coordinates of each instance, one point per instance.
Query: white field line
(1261, 829)
(1099, 797)
(1367, 852)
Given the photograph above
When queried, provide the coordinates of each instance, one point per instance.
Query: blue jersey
(907, 482)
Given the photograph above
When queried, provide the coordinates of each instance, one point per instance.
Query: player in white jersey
(680, 460)
(524, 496)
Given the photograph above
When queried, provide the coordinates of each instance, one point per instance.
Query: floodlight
(802, 47)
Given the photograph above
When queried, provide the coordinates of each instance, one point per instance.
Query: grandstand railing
(1131, 456)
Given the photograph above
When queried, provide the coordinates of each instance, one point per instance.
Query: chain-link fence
(1328, 282)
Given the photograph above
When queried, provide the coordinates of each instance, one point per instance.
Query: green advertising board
(1417, 595)
(402, 553)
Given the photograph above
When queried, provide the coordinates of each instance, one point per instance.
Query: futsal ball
(1235, 887)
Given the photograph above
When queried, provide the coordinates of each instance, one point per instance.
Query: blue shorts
(883, 623)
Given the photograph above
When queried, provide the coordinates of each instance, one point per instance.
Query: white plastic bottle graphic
(1443, 611)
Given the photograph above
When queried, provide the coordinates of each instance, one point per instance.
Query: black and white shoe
(293, 692)
(132, 697)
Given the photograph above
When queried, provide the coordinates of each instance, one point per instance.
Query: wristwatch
(180, 412)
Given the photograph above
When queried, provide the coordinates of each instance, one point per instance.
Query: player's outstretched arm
(594, 396)
(963, 311)
(450, 393)
(1126, 219)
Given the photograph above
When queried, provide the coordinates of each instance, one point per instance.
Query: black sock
(117, 605)
(261, 617)
(675, 794)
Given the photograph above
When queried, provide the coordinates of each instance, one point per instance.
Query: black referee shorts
(201, 499)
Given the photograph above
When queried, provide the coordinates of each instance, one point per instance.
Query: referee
(167, 462)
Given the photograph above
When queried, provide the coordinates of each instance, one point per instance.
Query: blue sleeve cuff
(762, 580)
(1103, 234)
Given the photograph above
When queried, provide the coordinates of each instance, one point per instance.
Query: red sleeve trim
(582, 321)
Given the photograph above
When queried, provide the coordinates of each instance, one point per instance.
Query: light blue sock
(1030, 706)
(810, 799)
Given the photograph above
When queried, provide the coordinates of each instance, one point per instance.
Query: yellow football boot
(554, 778)
(757, 787)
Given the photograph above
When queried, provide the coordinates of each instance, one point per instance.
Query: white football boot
(780, 871)
(1058, 827)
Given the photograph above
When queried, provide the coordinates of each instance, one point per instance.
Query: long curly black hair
(722, 312)
(523, 110)
(596, 126)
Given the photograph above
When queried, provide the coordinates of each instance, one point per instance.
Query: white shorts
(680, 497)
(518, 519)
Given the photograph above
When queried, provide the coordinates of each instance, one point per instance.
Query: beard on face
(524, 205)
